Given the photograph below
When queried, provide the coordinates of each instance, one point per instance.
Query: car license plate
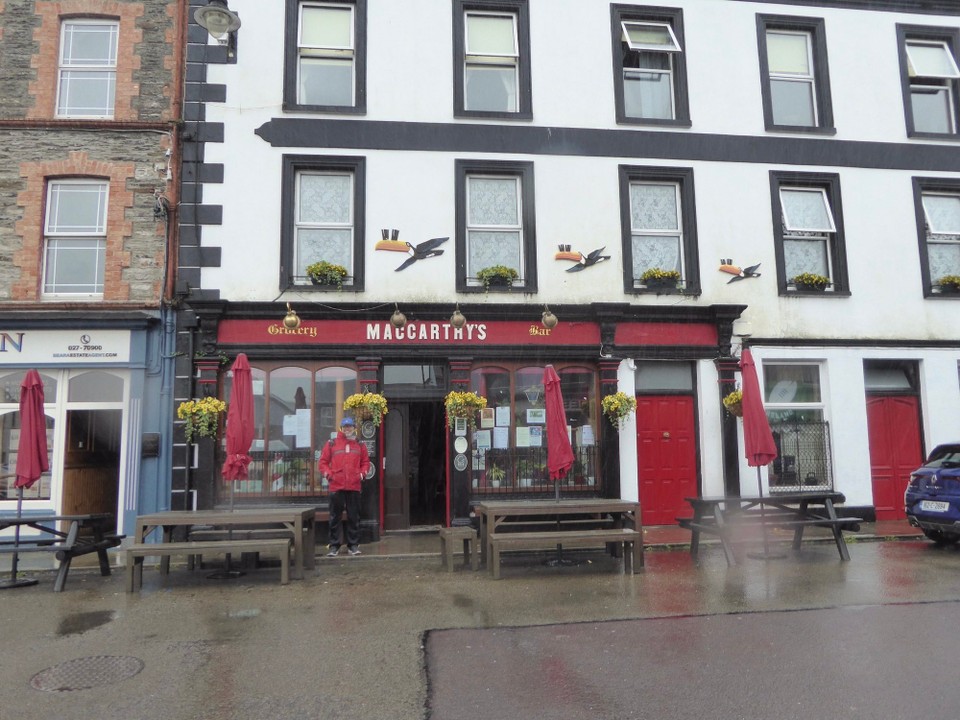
(934, 506)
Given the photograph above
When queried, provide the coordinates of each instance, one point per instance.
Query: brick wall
(35, 146)
(29, 55)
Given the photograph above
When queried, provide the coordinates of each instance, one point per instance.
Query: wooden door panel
(893, 426)
(396, 499)
(666, 456)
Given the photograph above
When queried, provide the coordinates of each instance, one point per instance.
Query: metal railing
(286, 473)
(522, 472)
(803, 461)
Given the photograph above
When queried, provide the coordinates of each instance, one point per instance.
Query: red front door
(666, 457)
(893, 423)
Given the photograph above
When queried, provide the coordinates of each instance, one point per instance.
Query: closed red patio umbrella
(240, 431)
(32, 459)
(758, 445)
(240, 424)
(559, 452)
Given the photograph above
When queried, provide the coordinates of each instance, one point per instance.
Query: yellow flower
(367, 403)
(201, 417)
(617, 407)
(463, 405)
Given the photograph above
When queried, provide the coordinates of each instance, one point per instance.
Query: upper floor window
(938, 217)
(659, 227)
(75, 237)
(793, 67)
(930, 79)
(808, 232)
(88, 68)
(495, 223)
(492, 59)
(325, 57)
(322, 218)
(651, 83)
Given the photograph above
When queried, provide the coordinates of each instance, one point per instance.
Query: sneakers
(333, 551)
(353, 550)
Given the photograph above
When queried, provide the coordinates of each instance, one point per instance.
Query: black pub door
(414, 478)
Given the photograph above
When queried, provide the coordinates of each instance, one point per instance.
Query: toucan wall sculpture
(426, 249)
(727, 266)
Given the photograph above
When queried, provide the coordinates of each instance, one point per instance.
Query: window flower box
(810, 282)
(325, 273)
(660, 279)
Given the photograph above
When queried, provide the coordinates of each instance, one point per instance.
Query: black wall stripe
(644, 145)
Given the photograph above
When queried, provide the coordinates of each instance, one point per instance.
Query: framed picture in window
(536, 416)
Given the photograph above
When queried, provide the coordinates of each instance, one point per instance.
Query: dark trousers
(349, 499)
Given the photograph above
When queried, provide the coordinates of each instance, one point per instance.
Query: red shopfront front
(424, 473)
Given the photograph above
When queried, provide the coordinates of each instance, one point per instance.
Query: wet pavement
(355, 640)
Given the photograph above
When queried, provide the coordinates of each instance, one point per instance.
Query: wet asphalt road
(354, 641)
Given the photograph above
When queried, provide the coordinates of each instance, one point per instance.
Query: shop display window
(10, 436)
(510, 442)
(296, 411)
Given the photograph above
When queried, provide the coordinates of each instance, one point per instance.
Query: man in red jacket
(345, 462)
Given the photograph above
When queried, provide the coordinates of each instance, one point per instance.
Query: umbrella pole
(227, 573)
(13, 582)
(559, 560)
(766, 554)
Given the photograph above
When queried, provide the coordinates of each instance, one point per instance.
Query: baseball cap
(347, 421)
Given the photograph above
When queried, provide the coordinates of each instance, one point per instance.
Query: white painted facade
(409, 79)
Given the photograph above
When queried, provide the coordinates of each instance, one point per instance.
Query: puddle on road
(81, 622)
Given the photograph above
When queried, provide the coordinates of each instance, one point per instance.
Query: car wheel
(941, 537)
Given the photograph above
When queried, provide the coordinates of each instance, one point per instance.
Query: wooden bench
(85, 534)
(565, 538)
(248, 559)
(136, 553)
(771, 519)
(471, 546)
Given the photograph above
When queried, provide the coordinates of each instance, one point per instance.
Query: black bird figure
(588, 260)
(428, 248)
(739, 273)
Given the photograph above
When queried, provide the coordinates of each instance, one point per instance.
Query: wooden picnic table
(573, 522)
(66, 536)
(296, 521)
(722, 515)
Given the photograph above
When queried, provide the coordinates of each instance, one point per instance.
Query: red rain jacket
(344, 462)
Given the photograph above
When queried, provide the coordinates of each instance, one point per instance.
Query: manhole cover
(87, 672)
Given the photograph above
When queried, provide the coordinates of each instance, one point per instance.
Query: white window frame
(820, 405)
(108, 69)
(809, 78)
(934, 235)
(97, 236)
(641, 46)
(491, 60)
(299, 224)
(330, 52)
(518, 227)
(800, 234)
(673, 232)
(911, 65)
(831, 228)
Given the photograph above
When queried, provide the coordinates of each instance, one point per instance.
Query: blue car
(932, 498)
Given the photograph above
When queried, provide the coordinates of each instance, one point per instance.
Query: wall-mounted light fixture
(549, 320)
(398, 319)
(218, 20)
(457, 319)
(291, 320)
